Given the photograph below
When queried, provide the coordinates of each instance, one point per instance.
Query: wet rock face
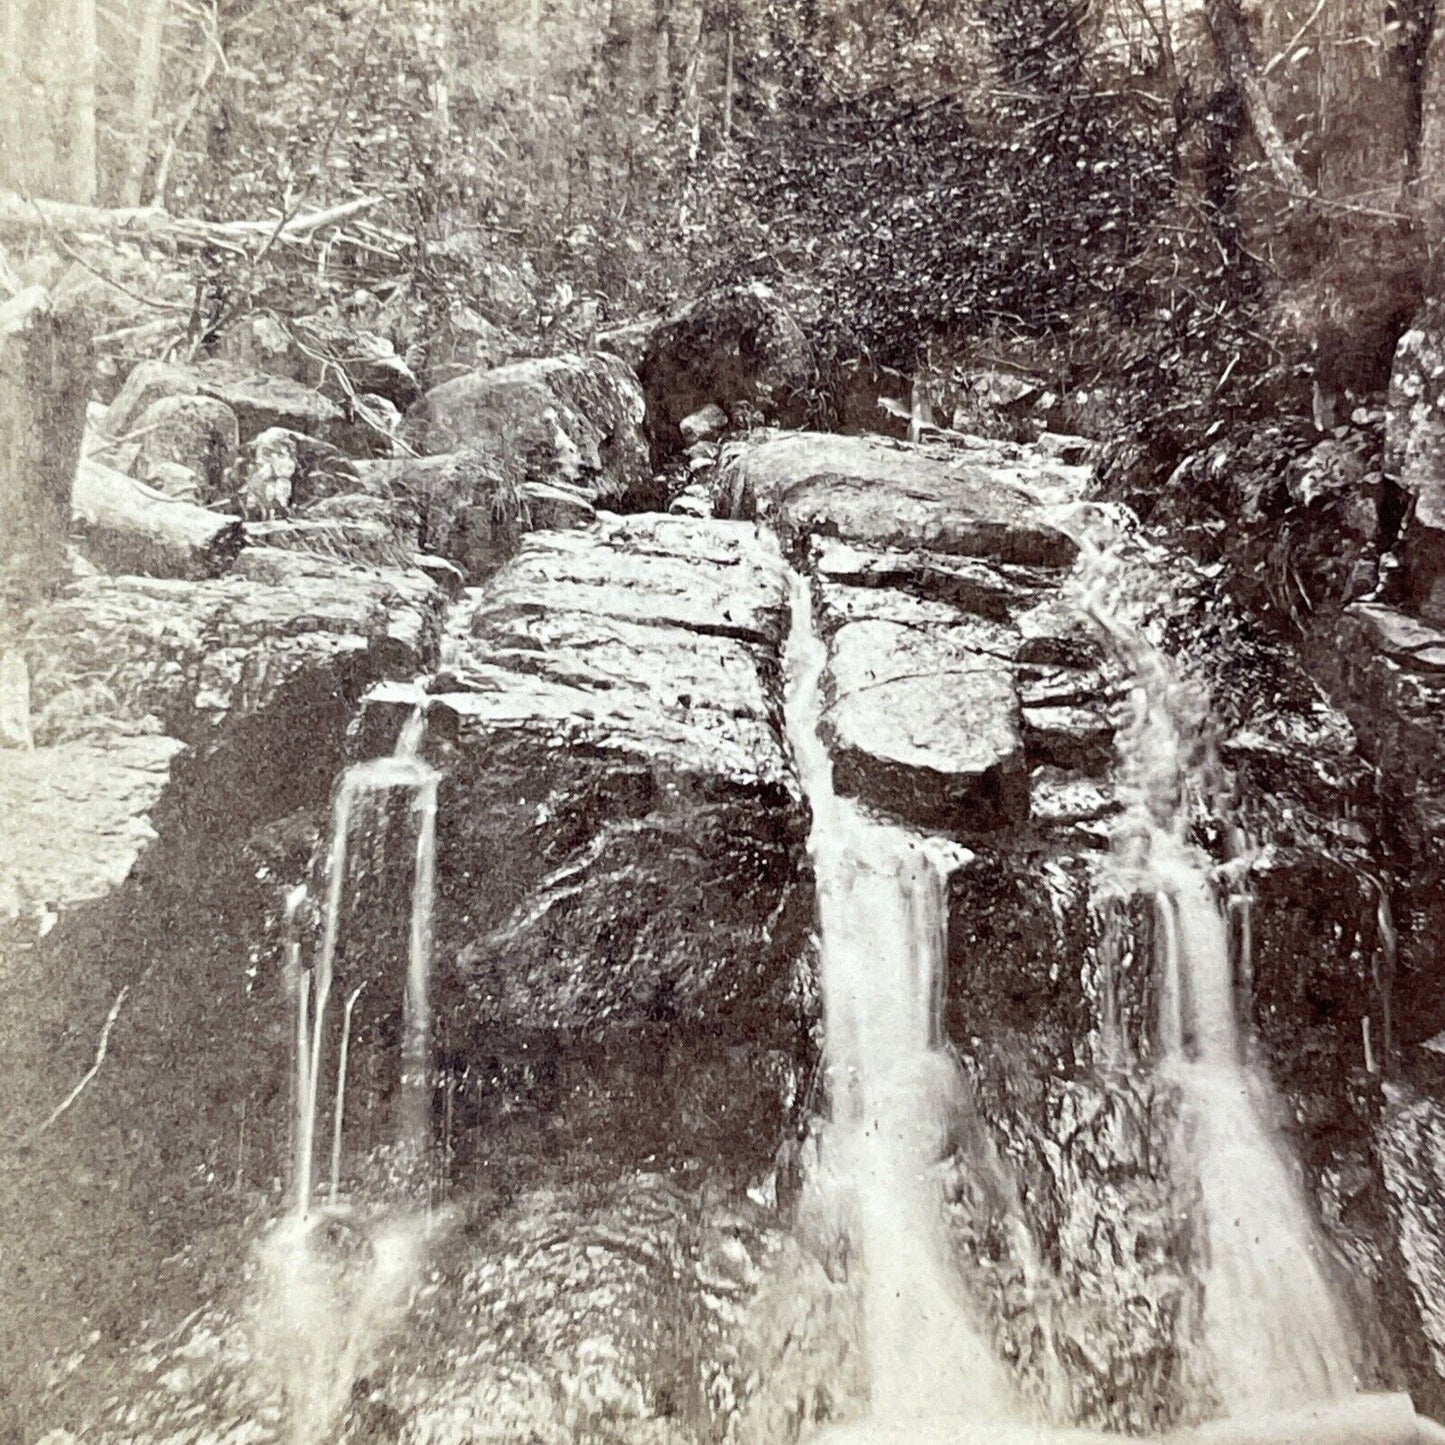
(1415, 457)
(738, 350)
(565, 420)
(933, 571)
(620, 838)
(1410, 1139)
(923, 719)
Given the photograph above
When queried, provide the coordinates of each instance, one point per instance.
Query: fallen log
(127, 527)
(20, 213)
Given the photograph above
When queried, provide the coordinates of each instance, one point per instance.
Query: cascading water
(324, 1309)
(1276, 1335)
(882, 914)
(404, 770)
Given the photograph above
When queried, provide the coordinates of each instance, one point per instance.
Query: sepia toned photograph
(722, 722)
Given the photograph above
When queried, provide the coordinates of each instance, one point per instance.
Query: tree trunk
(727, 108)
(45, 367)
(13, 145)
(661, 58)
(149, 51)
(84, 57)
(1236, 61)
(128, 527)
(692, 86)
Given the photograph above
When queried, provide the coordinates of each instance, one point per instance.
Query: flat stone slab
(685, 572)
(886, 494)
(1414, 644)
(989, 589)
(924, 726)
(114, 652)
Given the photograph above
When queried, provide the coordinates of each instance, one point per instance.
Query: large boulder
(257, 400)
(466, 508)
(198, 433)
(620, 843)
(986, 502)
(739, 349)
(566, 420)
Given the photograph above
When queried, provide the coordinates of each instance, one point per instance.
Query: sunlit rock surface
(130, 675)
(963, 501)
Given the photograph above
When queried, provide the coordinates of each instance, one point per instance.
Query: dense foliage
(1081, 188)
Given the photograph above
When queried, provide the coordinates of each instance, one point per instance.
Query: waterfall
(323, 1308)
(892, 1087)
(1276, 1335)
(362, 783)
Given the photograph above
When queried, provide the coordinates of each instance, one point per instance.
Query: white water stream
(883, 918)
(1277, 1336)
(333, 1284)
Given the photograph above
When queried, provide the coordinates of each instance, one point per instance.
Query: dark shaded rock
(738, 349)
(45, 370)
(1384, 666)
(465, 508)
(563, 419)
(370, 362)
(1075, 451)
(972, 503)
(1066, 735)
(1083, 1254)
(1410, 1139)
(994, 591)
(196, 432)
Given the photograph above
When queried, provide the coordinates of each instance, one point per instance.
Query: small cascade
(893, 1087)
(333, 1285)
(361, 784)
(1277, 1336)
